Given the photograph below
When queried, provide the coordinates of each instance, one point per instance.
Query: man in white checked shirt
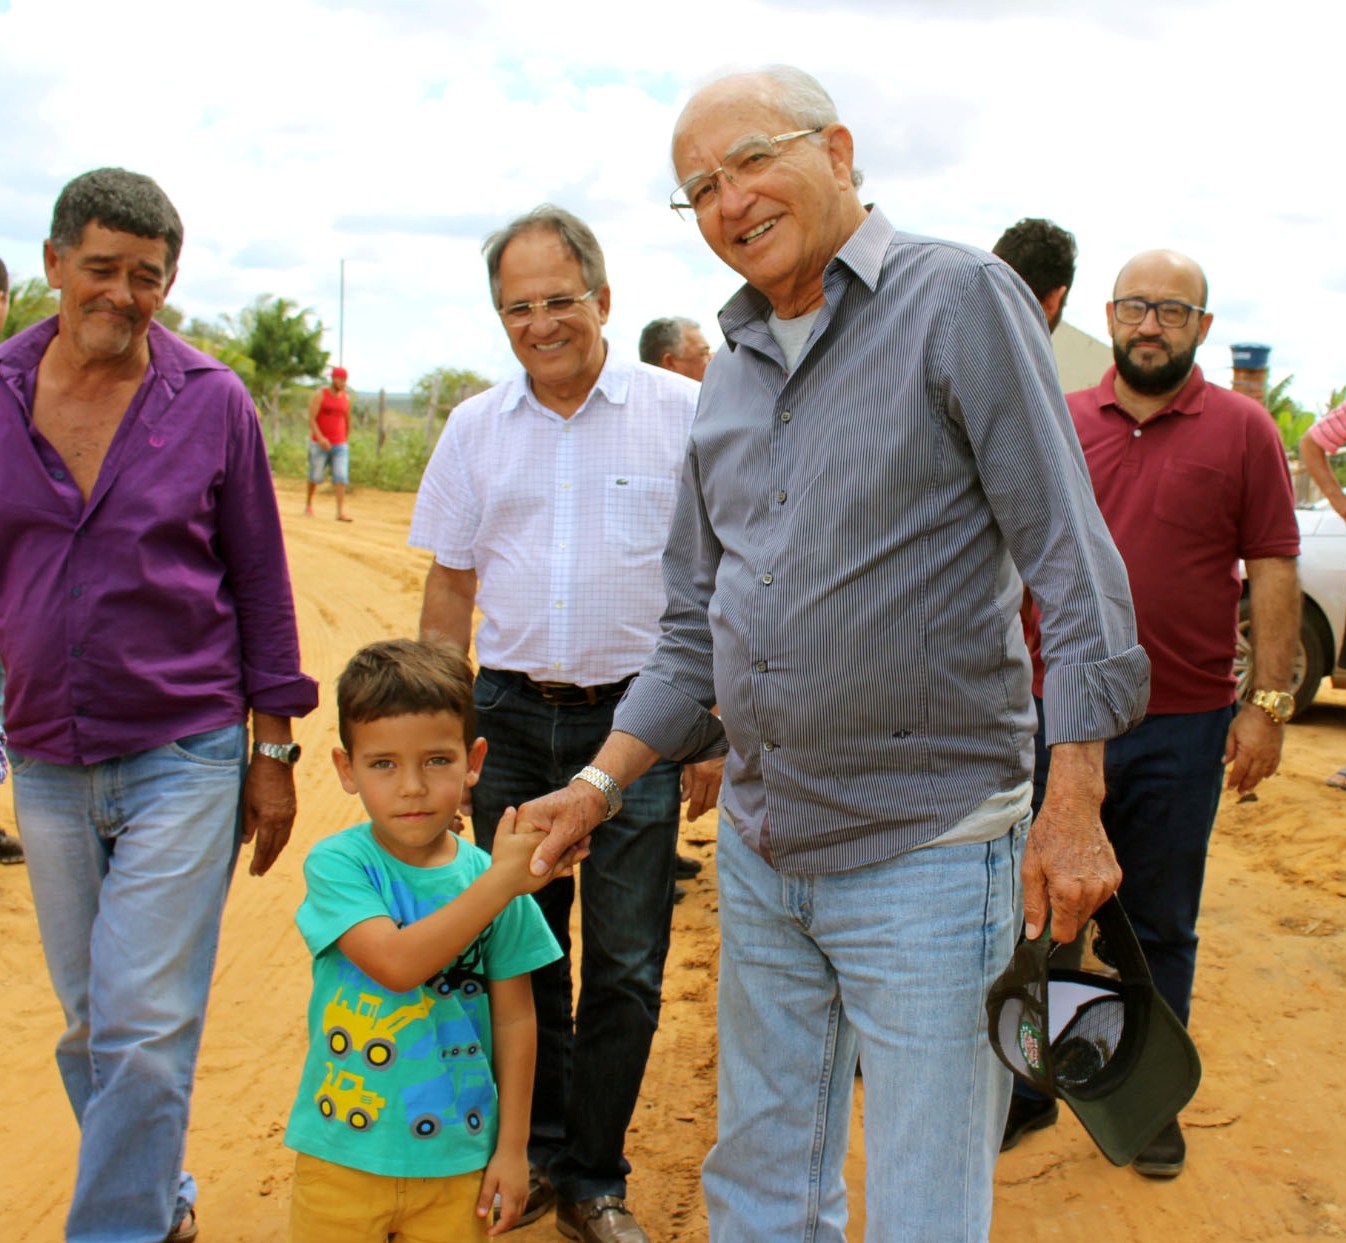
(547, 504)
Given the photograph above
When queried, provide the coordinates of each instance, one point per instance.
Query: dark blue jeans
(591, 1059)
(1163, 781)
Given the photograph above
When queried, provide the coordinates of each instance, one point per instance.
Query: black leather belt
(565, 695)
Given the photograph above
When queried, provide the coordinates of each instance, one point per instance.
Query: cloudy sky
(294, 134)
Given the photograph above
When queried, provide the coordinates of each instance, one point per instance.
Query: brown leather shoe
(604, 1219)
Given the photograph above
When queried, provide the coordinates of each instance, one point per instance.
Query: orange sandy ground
(1267, 1146)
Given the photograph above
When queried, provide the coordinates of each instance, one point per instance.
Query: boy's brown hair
(401, 677)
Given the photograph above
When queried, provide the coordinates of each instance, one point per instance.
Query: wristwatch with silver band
(285, 752)
(604, 784)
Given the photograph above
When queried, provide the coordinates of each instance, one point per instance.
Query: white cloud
(293, 134)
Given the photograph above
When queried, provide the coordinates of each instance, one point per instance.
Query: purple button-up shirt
(161, 607)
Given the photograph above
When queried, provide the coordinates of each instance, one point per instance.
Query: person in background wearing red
(329, 426)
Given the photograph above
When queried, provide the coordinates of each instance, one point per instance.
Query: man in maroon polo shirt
(1190, 479)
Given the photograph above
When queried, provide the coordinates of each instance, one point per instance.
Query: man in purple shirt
(145, 610)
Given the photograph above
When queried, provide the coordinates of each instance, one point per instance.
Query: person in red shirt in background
(329, 426)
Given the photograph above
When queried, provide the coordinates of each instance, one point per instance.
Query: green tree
(283, 347)
(1292, 419)
(455, 385)
(218, 341)
(29, 302)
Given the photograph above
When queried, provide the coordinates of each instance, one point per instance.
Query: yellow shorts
(335, 1204)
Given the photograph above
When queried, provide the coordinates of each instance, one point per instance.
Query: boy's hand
(507, 1177)
(512, 852)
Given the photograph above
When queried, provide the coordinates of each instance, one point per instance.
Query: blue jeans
(129, 861)
(893, 962)
(1163, 790)
(320, 460)
(590, 1060)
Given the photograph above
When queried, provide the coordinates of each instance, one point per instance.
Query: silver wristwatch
(285, 752)
(604, 784)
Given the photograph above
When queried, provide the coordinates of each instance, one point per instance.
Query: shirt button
(565, 487)
(1136, 432)
(785, 416)
(58, 474)
(768, 746)
(768, 579)
(780, 497)
(77, 591)
(77, 651)
(760, 666)
(560, 604)
(81, 711)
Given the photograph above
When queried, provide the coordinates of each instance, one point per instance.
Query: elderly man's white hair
(799, 95)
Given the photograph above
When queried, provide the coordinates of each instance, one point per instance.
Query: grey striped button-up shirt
(841, 569)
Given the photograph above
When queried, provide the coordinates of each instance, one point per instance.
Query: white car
(1322, 579)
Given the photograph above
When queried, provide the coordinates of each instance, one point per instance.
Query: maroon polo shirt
(1186, 494)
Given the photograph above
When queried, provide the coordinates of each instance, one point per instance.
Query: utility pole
(341, 320)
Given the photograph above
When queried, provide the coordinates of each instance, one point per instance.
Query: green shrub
(398, 468)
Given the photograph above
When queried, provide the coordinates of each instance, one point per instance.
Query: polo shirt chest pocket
(1193, 496)
(637, 511)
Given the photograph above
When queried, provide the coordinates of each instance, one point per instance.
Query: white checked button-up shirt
(564, 520)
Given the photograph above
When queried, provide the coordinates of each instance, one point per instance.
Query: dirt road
(1267, 1144)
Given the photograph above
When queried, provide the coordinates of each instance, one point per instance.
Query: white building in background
(1081, 359)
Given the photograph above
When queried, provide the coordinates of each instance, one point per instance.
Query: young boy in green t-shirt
(412, 1112)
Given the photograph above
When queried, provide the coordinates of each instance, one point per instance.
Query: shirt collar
(1190, 399)
(862, 253)
(170, 357)
(614, 383)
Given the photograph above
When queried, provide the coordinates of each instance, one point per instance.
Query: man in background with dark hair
(676, 344)
(1043, 254)
(148, 613)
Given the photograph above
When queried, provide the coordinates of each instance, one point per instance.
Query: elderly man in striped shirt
(882, 443)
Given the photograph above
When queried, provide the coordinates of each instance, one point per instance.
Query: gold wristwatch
(1278, 705)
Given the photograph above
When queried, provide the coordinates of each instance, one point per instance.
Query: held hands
(511, 854)
(505, 1176)
(268, 810)
(567, 817)
(1252, 748)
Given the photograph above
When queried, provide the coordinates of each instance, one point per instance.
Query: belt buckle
(557, 694)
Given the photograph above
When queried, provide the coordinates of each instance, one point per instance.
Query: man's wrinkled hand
(700, 785)
(567, 817)
(268, 810)
(1252, 749)
(1069, 871)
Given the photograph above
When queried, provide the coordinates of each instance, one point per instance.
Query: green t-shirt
(401, 1083)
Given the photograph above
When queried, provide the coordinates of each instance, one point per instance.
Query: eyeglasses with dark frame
(562, 306)
(745, 164)
(1170, 314)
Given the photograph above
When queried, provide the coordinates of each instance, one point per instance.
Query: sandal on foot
(1338, 779)
(185, 1231)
